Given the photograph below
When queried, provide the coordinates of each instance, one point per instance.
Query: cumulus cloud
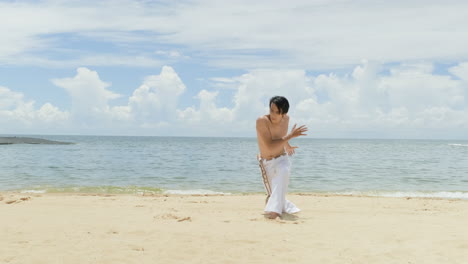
(411, 101)
(208, 114)
(89, 94)
(152, 105)
(155, 101)
(49, 114)
(418, 88)
(17, 113)
(372, 100)
(407, 100)
(253, 91)
(8, 99)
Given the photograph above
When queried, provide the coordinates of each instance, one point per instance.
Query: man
(273, 137)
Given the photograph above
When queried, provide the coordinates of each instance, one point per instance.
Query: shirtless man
(273, 137)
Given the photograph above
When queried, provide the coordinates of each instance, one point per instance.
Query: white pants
(277, 173)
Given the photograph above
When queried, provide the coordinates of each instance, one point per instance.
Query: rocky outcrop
(26, 140)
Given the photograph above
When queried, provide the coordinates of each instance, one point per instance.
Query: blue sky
(360, 69)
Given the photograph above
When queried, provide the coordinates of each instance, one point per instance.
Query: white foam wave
(458, 145)
(33, 191)
(189, 192)
(443, 195)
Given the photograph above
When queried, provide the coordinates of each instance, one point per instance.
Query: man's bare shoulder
(263, 119)
(262, 122)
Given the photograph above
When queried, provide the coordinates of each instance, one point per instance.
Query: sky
(350, 69)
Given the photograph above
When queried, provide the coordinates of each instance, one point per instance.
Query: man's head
(279, 106)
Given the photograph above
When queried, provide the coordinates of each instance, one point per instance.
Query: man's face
(275, 115)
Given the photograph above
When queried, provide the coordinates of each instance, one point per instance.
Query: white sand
(71, 228)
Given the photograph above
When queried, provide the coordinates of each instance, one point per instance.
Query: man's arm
(264, 135)
(276, 145)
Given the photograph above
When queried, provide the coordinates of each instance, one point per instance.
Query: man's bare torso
(276, 131)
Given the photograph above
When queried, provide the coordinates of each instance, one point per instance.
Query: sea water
(111, 164)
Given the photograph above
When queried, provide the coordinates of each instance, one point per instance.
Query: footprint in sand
(175, 217)
(166, 216)
(23, 199)
(198, 202)
(9, 259)
(185, 219)
(289, 222)
(137, 248)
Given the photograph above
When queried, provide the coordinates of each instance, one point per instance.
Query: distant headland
(27, 140)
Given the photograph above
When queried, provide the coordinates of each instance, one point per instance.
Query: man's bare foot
(272, 215)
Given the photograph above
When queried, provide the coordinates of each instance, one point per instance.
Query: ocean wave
(458, 145)
(33, 191)
(94, 189)
(398, 194)
(189, 192)
(139, 190)
(119, 190)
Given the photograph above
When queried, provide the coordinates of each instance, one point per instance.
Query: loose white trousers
(275, 175)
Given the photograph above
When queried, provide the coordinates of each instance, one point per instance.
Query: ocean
(184, 165)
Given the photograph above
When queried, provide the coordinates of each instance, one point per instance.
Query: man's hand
(290, 150)
(296, 132)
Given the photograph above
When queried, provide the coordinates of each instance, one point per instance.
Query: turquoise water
(228, 165)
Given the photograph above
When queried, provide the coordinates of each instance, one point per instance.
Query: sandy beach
(84, 228)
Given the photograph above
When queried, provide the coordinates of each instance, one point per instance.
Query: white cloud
(244, 34)
(410, 101)
(253, 90)
(208, 114)
(94, 60)
(171, 54)
(256, 88)
(156, 99)
(17, 114)
(461, 71)
(221, 83)
(417, 89)
(152, 105)
(8, 99)
(406, 100)
(89, 95)
(49, 113)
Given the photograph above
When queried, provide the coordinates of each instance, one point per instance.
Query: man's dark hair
(280, 102)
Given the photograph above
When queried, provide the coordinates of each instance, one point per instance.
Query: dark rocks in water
(26, 140)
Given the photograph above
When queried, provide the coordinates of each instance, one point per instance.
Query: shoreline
(149, 191)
